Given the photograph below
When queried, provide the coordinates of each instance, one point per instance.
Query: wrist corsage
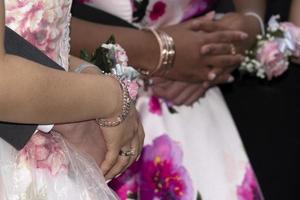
(270, 55)
(111, 58)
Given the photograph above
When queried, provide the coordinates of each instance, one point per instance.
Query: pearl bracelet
(84, 66)
(259, 19)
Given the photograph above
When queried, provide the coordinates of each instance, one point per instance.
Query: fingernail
(118, 175)
(244, 35)
(205, 50)
(109, 180)
(212, 76)
(138, 158)
(211, 14)
(230, 79)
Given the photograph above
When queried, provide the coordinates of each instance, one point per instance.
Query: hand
(179, 93)
(232, 21)
(194, 65)
(129, 135)
(86, 137)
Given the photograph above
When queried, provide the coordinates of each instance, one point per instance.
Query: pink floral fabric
(249, 189)
(159, 12)
(159, 174)
(43, 23)
(44, 151)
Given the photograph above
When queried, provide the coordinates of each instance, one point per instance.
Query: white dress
(199, 148)
(47, 168)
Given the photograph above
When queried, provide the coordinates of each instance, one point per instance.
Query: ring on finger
(232, 49)
(130, 152)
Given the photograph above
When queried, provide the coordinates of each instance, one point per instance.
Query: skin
(187, 94)
(295, 18)
(190, 64)
(67, 99)
(195, 52)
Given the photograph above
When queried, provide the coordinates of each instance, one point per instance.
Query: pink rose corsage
(270, 55)
(111, 58)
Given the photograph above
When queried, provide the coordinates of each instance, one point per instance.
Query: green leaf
(85, 55)
(172, 110)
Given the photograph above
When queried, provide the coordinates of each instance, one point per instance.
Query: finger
(120, 165)
(185, 94)
(159, 80)
(208, 17)
(216, 49)
(207, 26)
(225, 37)
(110, 159)
(136, 147)
(195, 97)
(171, 92)
(141, 133)
(224, 79)
(227, 62)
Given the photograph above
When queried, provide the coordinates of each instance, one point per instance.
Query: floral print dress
(47, 168)
(195, 153)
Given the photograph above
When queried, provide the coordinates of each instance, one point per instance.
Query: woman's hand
(233, 21)
(128, 136)
(177, 92)
(192, 63)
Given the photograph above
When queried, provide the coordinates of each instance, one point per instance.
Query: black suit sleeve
(18, 134)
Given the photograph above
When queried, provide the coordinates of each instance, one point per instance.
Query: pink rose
(133, 88)
(121, 56)
(294, 31)
(274, 61)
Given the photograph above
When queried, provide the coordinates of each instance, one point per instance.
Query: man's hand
(86, 137)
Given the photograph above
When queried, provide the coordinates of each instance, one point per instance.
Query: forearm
(141, 46)
(294, 12)
(257, 6)
(31, 93)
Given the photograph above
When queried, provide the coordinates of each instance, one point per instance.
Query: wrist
(126, 104)
(147, 52)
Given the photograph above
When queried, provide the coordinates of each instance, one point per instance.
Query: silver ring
(127, 153)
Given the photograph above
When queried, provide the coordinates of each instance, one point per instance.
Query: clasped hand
(205, 55)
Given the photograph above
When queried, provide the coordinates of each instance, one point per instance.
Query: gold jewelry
(232, 49)
(127, 153)
(167, 52)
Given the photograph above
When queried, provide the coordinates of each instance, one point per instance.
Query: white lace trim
(64, 50)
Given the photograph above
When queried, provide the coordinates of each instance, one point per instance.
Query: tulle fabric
(48, 168)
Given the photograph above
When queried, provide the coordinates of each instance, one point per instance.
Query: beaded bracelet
(126, 99)
(126, 106)
(259, 19)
